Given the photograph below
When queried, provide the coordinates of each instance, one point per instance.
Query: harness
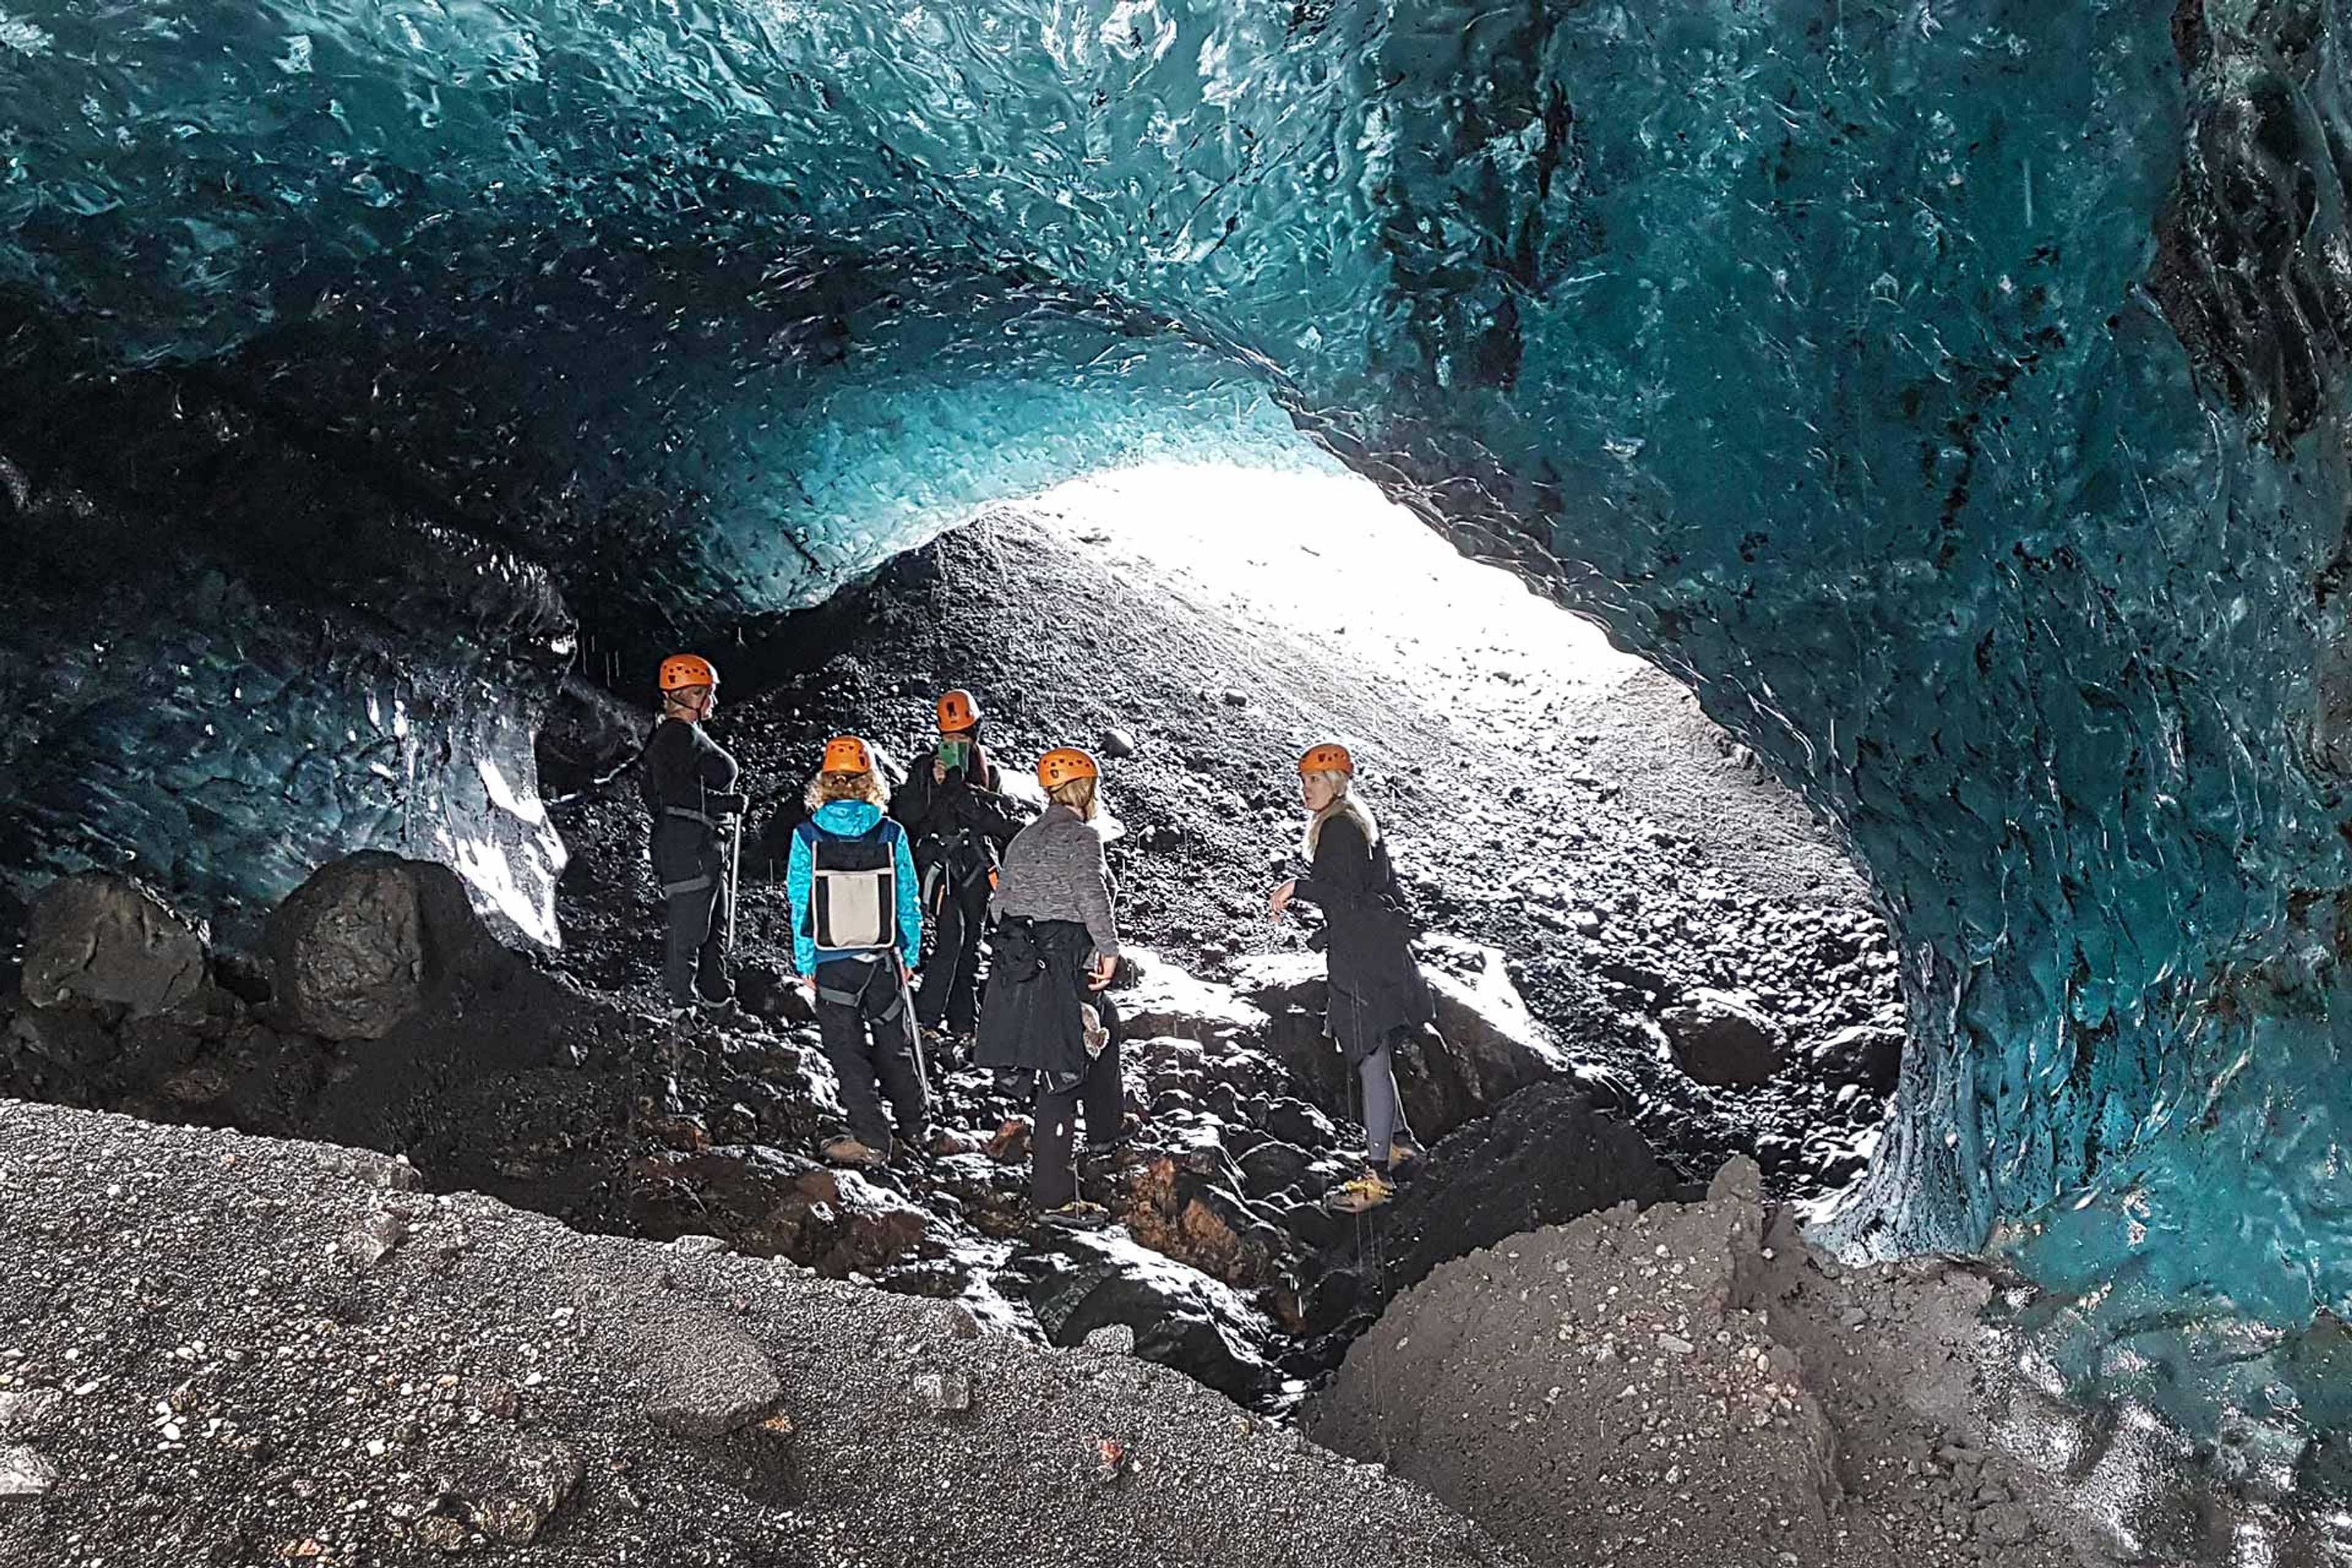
(875, 969)
(692, 884)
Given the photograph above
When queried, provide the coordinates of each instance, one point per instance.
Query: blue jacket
(852, 819)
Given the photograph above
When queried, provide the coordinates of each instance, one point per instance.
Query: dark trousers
(868, 1029)
(694, 945)
(951, 993)
(1102, 1099)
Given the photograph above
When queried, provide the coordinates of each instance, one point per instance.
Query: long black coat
(1029, 1015)
(1377, 989)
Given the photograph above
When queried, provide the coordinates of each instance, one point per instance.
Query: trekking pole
(734, 876)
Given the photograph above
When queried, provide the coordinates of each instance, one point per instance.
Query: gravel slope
(1691, 1386)
(204, 1360)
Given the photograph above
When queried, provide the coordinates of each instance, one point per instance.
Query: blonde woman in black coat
(1378, 993)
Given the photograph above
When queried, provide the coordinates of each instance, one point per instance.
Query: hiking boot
(1369, 1190)
(848, 1150)
(1405, 1149)
(1077, 1215)
(728, 1013)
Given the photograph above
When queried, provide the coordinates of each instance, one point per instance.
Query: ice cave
(1951, 393)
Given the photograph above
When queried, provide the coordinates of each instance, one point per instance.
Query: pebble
(24, 1473)
(374, 1238)
(943, 1392)
(27, 1411)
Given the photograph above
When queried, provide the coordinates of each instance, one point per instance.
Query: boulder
(763, 1201)
(1545, 1157)
(1181, 1211)
(370, 940)
(1164, 1000)
(1495, 1044)
(1272, 1166)
(1870, 1055)
(1722, 1039)
(98, 937)
(1486, 1045)
(53, 1046)
(509, 1490)
(1181, 1316)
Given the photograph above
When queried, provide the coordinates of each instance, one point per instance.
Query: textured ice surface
(1952, 390)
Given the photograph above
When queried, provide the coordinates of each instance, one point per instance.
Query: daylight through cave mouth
(1955, 402)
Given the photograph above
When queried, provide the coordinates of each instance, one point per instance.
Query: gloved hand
(728, 804)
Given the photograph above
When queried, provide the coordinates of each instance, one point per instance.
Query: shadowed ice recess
(1952, 391)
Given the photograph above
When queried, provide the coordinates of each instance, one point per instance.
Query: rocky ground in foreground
(1692, 1384)
(387, 1018)
(225, 1351)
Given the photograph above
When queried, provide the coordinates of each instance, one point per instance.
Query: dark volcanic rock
(1180, 1318)
(96, 937)
(1546, 1157)
(370, 940)
(1483, 1047)
(1870, 1055)
(1723, 1040)
(510, 1491)
(765, 1201)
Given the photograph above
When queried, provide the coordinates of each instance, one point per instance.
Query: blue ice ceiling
(1951, 390)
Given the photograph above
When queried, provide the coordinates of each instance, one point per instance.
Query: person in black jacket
(951, 805)
(1378, 993)
(1045, 1011)
(689, 784)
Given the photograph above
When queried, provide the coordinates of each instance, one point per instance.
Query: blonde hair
(826, 788)
(1345, 802)
(1078, 794)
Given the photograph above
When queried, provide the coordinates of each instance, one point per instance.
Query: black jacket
(1377, 988)
(684, 767)
(1029, 1015)
(966, 813)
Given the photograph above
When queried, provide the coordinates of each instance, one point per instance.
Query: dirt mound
(1684, 1385)
(219, 1349)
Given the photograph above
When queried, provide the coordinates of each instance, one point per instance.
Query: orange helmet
(847, 754)
(958, 710)
(1064, 764)
(680, 670)
(1330, 757)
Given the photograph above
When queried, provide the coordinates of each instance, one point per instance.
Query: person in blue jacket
(858, 932)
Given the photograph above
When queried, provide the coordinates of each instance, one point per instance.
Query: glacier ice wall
(1951, 390)
(227, 659)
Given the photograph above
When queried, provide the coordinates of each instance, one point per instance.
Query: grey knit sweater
(1054, 870)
